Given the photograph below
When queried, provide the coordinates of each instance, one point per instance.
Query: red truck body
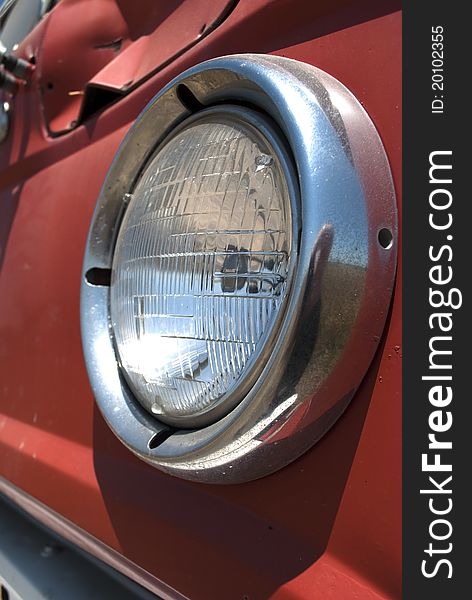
(328, 525)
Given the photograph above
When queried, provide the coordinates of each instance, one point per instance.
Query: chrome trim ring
(340, 291)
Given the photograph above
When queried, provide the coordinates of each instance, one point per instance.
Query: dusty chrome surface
(340, 291)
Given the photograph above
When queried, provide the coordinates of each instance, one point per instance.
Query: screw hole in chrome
(385, 237)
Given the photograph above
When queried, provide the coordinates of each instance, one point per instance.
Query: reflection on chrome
(243, 444)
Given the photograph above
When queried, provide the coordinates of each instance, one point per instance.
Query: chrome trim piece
(6, 7)
(340, 292)
(77, 536)
(38, 564)
(4, 120)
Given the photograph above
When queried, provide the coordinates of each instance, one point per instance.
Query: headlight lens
(201, 268)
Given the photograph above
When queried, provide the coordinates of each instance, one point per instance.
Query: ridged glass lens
(201, 267)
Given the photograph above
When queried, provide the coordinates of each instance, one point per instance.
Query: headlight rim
(229, 451)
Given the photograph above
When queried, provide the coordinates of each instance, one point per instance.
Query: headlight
(202, 266)
(238, 269)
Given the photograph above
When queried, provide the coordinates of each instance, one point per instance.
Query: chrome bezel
(340, 292)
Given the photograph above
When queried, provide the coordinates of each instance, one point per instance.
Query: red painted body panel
(112, 45)
(328, 526)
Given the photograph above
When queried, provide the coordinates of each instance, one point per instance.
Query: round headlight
(202, 265)
(236, 278)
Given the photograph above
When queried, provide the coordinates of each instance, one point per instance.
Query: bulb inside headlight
(202, 266)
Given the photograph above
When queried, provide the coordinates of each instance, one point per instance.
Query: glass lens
(201, 267)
